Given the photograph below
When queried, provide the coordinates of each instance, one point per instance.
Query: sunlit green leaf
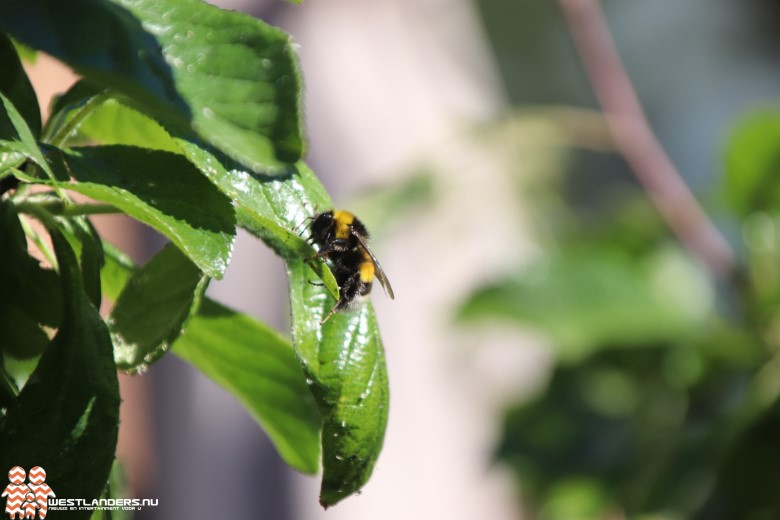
(344, 360)
(162, 190)
(25, 53)
(117, 270)
(258, 366)
(275, 209)
(230, 77)
(114, 123)
(109, 122)
(23, 142)
(64, 107)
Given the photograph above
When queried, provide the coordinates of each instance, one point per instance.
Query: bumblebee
(342, 240)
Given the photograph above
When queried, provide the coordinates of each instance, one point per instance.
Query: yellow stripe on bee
(367, 271)
(343, 220)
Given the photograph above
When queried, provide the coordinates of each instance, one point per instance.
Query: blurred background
(554, 352)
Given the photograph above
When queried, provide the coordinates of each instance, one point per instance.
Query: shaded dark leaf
(16, 86)
(66, 417)
(153, 308)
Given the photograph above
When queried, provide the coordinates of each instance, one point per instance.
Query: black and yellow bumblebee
(342, 240)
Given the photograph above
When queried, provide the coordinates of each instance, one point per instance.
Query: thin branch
(39, 243)
(636, 142)
(57, 207)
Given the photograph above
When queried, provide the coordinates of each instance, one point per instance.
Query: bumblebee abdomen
(366, 270)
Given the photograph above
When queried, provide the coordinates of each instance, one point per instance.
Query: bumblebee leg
(301, 226)
(331, 313)
(342, 303)
(320, 254)
(336, 308)
(331, 247)
(347, 293)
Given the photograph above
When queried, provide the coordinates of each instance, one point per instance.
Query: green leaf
(91, 258)
(249, 360)
(9, 157)
(162, 190)
(275, 209)
(67, 106)
(117, 271)
(66, 417)
(256, 365)
(344, 360)
(25, 142)
(109, 122)
(16, 86)
(230, 77)
(114, 123)
(585, 298)
(753, 163)
(86, 242)
(31, 294)
(25, 53)
(153, 308)
(23, 337)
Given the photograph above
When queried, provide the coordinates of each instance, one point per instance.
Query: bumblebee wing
(380, 273)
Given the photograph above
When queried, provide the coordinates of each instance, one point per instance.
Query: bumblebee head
(322, 227)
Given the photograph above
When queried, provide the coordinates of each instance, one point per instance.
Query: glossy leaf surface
(230, 77)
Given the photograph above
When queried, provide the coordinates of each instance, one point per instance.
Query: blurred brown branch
(635, 140)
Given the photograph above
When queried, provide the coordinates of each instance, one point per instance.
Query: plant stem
(57, 207)
(73, 210)
(42, 246)
(635, 140)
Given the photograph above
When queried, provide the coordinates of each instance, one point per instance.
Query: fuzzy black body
(337, 231)
(349, 269)
(341, 239)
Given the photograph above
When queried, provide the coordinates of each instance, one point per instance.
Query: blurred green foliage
(663, 401)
